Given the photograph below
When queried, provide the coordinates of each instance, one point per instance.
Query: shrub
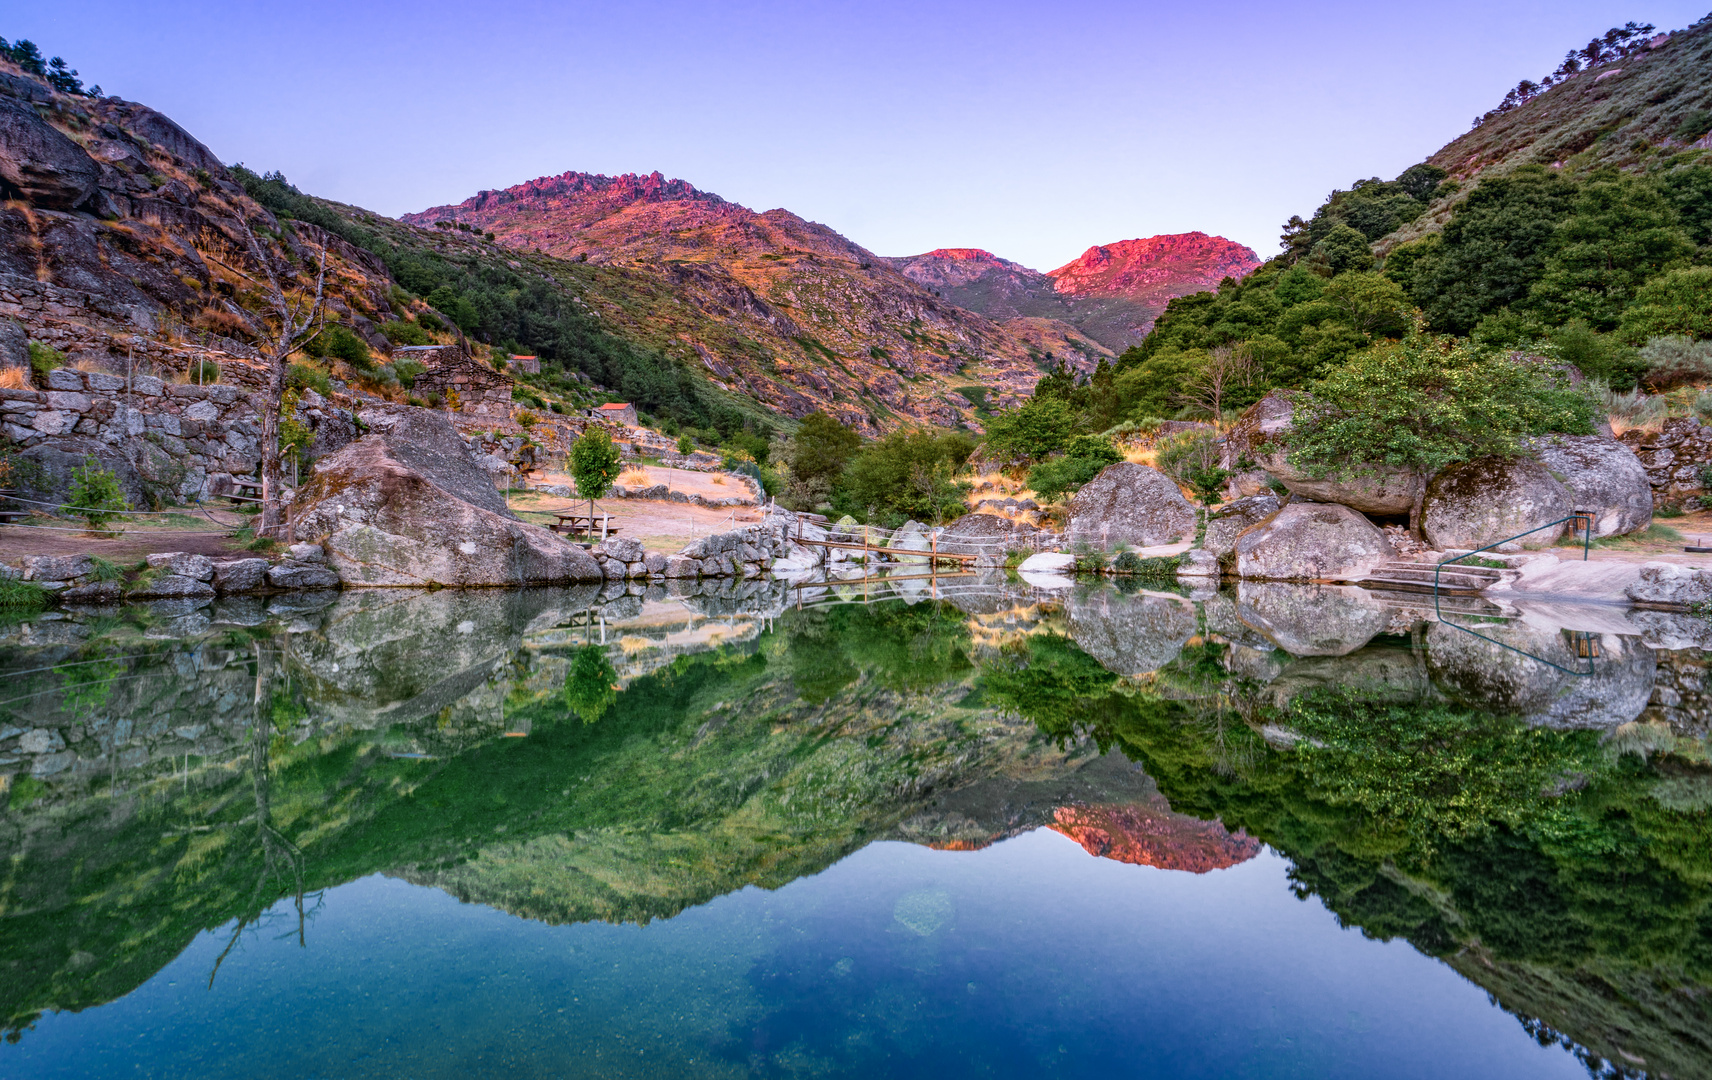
(304, 377)
(44, 358)
(95, 494)
(1191, 458)
(218, 320)
(17, 594)
(404, 333)
(1598, 356)
(1676, 361)
(1679, 302)
(407, 371)
(906, 474)
(336, 341)
(527, 418)
(429, 321)
(686, 445)
(203, 371)
(1084, 458)
(1040, 426)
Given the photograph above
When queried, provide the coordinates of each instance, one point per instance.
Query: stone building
(616, 412)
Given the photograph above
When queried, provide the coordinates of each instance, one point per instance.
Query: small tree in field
(95, 495)
(594, 464)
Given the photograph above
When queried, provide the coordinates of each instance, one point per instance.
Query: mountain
(768, 304)
(1112, 292)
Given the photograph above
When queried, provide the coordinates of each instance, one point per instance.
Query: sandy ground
(1695, 528)
(141, 536)
(661, 526)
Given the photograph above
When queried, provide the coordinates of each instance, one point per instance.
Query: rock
(1659, 583)
(240, 576)
(1198, 564)
(624, 549)
(48, 169)
(41, 741)
(405, 505)
(292, 574)
(682, 566)
(311, 553)
(977, 534)
(909, 541)
(1229, 522)
(1602, 476)
(611, 569)
(1311, 620)
(1130, 504)
(172, 587)
(163, 132)
(1482, 672)
(1470, 504)
(1048, 562)
(655, 562)
(14, 345)
(195, 567)
(95, 592)
(1258, 436)
(1130, 635)
(57, 567)
(1310, 541)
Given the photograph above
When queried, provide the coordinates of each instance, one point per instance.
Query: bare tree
(1226, 370)
(296, 317)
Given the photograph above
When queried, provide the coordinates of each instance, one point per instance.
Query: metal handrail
(1577, 519)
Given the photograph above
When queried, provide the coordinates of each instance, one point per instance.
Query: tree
(1040, 426)
(1423, 402)
(1493, 249)
(295, 318)
(95, 495)
(1082, 460)
(1677, 303)
(1227, 368)
(1343, 249)
(594, 463)
(906, 474)
(1622, 232)
(817, 456)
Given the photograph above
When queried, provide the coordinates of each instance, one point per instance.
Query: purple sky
(1032, 130)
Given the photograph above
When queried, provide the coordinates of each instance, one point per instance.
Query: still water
(969, 829)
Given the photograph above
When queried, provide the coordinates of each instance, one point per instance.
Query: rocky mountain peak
(1155, 268)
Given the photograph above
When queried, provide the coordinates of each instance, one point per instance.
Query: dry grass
(14, 378)
(87, 364)
(719, 478)
(636, 476)
(220, 321)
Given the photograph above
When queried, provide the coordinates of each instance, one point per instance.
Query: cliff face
(1113, 292)
(783, 309)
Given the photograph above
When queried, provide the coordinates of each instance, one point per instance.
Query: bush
(44, 358)
(1676, 361)
(527, 419)
(1598, 356)
(686, 445)
(17, 594)
(1679, 302)
(203, 372)
(95, 494)
(906, 474)
(304, 377)
(406, 371)
(1040, 426)
(1191, 458)
(404, 333)
(1084, 458)
(338, 342)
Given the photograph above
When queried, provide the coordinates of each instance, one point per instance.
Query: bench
(583, 524)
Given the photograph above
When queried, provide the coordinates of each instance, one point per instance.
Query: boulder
(1198, 564)
(681, 566)
(977, 534)
(1603, 476)
(57, 567)
(1311, 541)
(405, 505)
(307, 553)
(44, 166)
(161, 130)
(173, 587)
(292, 574)
(95, 592)
(240, 575)
(1233, 519)
(655, 561)
(909, 541)
(1130, 504)
(195, 567)
(14, 345)
(1258, 437)
(1470, 504)
(1049, 562)
(1665, 584)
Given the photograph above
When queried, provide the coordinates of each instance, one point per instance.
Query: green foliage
(1049, 680)
(1040, 426)
(203, 372)
(44, 358)
(1084, 457)
(590, 685)
(94, 495)
(593, 462)
(305, 377)
(16, 594)
(1677, 303)
(404, 333)
(1424, 402)
(1191, 458)
(907, 474)
(1676, 361)
(748, 443)
(339, 342)
(1370, 209)
(1621, 231)
(686, 445)
(1344, 249)
(406, 372)
(1598, 356)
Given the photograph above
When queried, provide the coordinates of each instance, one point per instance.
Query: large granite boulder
(978, 534)
(1311, 620)
(1537, 674)
(1130, 504)
(1311, 541)
(45, 167)
(1470, 504)
(406, 505)
(1670, 585)
(1234, 518)
(1258, 441)
(1602, 476)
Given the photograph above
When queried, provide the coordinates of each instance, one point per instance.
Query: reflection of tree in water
(591, 684)
(1568, 875)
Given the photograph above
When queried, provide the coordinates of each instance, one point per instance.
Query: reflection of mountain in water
(183, 770)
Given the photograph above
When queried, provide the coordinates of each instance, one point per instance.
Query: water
(1284, 831)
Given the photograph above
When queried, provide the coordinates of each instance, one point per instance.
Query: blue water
(1029, 958)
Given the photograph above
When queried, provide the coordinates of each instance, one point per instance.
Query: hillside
(1112, 292)
(768, 304)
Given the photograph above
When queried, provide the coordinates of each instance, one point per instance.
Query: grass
(16, 594)
(1652, 534)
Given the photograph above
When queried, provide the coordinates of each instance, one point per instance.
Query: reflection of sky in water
(1026, 959)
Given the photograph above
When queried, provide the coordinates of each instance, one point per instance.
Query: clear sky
(1033, 130)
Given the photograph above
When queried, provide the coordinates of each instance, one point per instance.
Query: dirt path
(661, 526)
(137, 541)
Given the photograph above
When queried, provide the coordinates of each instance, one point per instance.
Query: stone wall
(1673, 457)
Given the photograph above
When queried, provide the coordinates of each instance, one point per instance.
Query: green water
(943, 829)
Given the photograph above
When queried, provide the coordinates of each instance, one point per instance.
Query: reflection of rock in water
(1377, 672)
(1130, 635)
(1149, 834)
(1486, 675)
(1311, 620)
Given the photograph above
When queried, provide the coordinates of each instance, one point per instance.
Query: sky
(1034, 130)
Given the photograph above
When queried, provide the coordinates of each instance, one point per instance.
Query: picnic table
(572, 522)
